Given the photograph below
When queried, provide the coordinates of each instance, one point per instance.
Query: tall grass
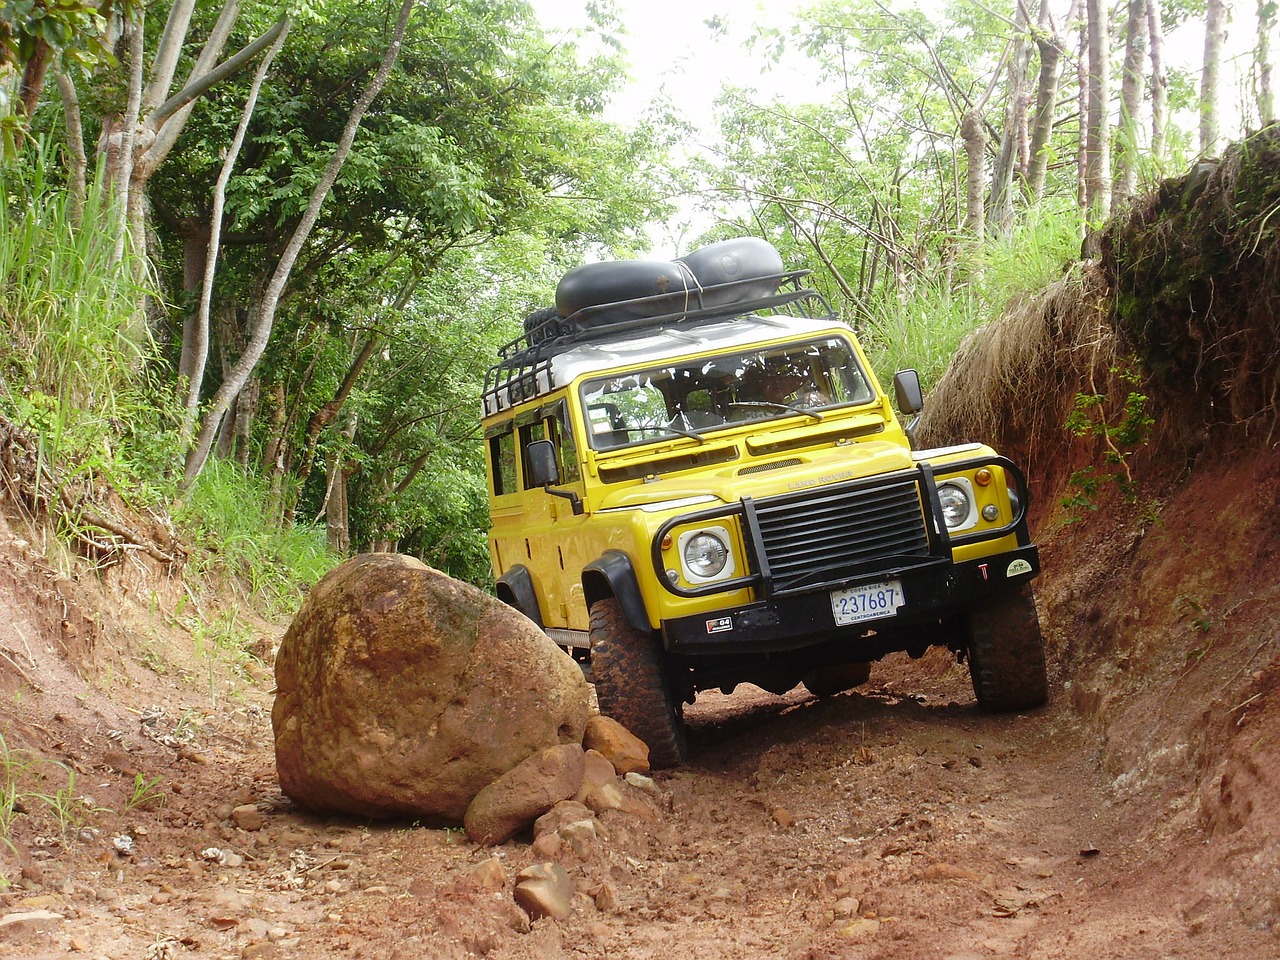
(925, 330)
(73, 349)
(227, 518)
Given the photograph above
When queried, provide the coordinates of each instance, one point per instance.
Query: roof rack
(523, 370)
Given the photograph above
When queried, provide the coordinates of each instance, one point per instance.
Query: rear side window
(502, 455)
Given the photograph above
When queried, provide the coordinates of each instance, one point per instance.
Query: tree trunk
(77, 160)
(337, 513)
(33, 74)
(1082, 108)
(1135, 42)
(1215, 34)
(975, 151)
(1000, 207)
(264, 318)
(329, 411)
(195, 245)
(1159, 81)
(120, 138)
(195, 335)
(336, 509)
(1049, 45)
(1098, 125)
(1262, 61)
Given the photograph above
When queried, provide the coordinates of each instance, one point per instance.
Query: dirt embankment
(1130, 819)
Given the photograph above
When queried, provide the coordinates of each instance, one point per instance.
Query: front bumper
(932, 590)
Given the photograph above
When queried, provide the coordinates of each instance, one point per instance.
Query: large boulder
(402, 692)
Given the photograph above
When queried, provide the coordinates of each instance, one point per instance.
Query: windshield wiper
(671, 426)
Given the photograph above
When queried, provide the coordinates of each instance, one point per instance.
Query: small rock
(783, 818)
(644, 783)
(247, 816)
(545, 890)
(627, 752)
(489, 875)
(596, 772)
(948, 871)
(548, 846)
(606, 897)
(861, 929)
(580, 837)
(32, 919)
(562, 814)
(524, 793)
(846, 907)
(42, 902)
(620, 795)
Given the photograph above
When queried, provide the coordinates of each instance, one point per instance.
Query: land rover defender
(697, 481)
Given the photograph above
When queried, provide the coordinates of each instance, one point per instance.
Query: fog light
(990, 512)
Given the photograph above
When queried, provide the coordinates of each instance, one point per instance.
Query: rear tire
(1006, 652)
(828, 681)
(633, 683)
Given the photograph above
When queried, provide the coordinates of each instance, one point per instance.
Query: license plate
(868, 601)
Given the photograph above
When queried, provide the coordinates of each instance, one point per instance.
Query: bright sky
(669, 44)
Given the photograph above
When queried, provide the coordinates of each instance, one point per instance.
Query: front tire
(1006, 652)
(633, 683)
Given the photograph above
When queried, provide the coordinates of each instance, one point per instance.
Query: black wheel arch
(613, 575)
(515, 589)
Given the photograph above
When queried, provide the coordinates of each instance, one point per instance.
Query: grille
(775, 465)
(836, 532)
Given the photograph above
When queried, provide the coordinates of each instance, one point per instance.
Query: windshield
(690, 398)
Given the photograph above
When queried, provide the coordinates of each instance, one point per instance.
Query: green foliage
(72, 29)
(146, 794)
(1122, 433)
(227, 518)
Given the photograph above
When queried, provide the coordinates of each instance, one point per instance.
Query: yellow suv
(697, 481)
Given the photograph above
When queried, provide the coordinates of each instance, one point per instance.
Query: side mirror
(544, 471)
(543, 468)
(906, 390)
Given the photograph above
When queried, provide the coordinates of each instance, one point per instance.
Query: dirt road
(895, 822)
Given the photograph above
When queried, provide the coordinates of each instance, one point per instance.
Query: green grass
(227, 519)
(925, 330)
(75, 339)
(75, 355)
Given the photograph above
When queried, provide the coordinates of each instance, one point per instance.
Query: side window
(502, 455)
(570, 470)
(528, 433)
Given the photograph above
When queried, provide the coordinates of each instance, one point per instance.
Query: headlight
(705, 555)
(955, 504)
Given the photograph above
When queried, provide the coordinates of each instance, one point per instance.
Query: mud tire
(1006, 652)
(633, 684)
(828, 681)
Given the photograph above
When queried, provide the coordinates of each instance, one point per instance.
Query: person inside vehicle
(781, 386)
